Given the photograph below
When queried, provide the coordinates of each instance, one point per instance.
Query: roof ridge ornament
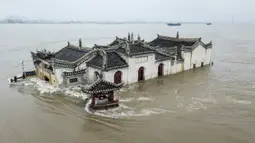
(80, 43)
(132, 37)
(104, 56)
(138, 38)
(127, 48)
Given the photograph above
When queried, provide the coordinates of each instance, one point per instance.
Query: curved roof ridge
(127, 49)
(178, 39)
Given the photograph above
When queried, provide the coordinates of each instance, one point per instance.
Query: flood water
(212, 104)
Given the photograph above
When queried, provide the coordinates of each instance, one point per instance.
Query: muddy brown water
(211, 104)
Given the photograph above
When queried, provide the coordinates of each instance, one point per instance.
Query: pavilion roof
(102, 86)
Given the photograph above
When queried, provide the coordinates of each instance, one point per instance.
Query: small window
(73, 80)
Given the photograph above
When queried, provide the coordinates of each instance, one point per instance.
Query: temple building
(124, 60)
(188, 52)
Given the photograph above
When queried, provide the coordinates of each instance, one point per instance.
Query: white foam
(122, 111)
(129, 113)
(126, 99)
(190, 105)
(76, 94)
(125, 106)
(176, 91)
(145, 99)
(245, 102)
(208, 99)
(44, 87)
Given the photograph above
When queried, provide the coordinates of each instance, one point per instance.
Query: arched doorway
(161, 69)
(141, 74)
(117, 77)
(202, 64)
(46, 78)
(194, 66)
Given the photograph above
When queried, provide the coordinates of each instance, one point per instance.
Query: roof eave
(143, 53)
(160, 60)
(116, 67)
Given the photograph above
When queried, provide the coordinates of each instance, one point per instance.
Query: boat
(208, 23)
(102, 95)
(174, 24)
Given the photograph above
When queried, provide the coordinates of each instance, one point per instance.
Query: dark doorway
(194, 66)
(141, 74)
(161, 70)
(46, 79)
(117, 77)
(202, 64)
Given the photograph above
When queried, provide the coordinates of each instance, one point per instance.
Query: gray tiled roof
(43, 54)
(173, 46)
(113, 61)
(135, 49)
(70, 53)
(164, 42)
(161, 57)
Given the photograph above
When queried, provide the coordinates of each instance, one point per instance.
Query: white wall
(208, 56)
(91, 74)
(58, 72)
(134, 65)
(80, 80)
(130, 74)
(198, 56)
(187, 60)
(179, 67)
(109, 75)
(166, 68)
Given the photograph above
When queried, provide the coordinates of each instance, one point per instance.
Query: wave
(44, 88)
(145, 99)
(208, 99)
(245, 102)
(190, 105)
(124, 110)
(126, 99)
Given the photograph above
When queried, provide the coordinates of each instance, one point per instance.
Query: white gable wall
(81, 66)
(198, 56)
(208, 56)
(91, 77)
(179, 67)
(187, 60)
